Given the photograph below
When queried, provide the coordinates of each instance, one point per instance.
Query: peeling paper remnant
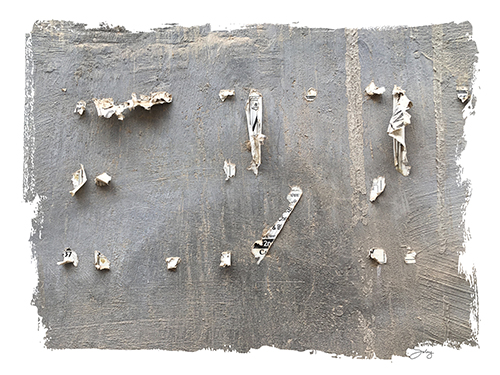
(463, 93)
(107, 108)
(378, 187)
(311, 94)
(100, 261)
(79, 178)
(223, 94)
(378, 255)
(80, 107)
(229, 169)
(225, 259)
(410, 256)
(103, 179)
(172, 263)
(400, 118)
(254, 124)
(373, 89)
(262, 246)
(69, 256)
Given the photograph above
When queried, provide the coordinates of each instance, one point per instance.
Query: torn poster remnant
(225, 259)
(378, 187)
(262, 246)
(373, 89)
(254, 124)
(311, 94)
(229, 169)
(103, 179)
(80, 107)
(400, 118)
(172, 263)
(378, 255)
(107, 108)
(410, 256)
(223, 94)
(463, 93)
(100, 261)
(79, 178)
(69, 256)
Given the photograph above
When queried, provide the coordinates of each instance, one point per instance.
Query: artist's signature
(418, 352)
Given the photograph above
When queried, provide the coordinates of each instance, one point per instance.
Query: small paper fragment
(103, 179)
(311, 94)
(80, 107)
(223, 94)
(378, 255)
(378, 187)
(410, 256)
(69, 256)
(229, 169)
(373, 89)
(396, 130)
(107, 108)
(100, 261)
(463, 93)
(172, 262)
(79, 178)
(254, 123)
(225, 259)
(261, 247)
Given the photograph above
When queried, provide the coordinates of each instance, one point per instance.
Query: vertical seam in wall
(437, 47)
(355, 125)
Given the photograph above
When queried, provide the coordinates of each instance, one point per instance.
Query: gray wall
(316, 289)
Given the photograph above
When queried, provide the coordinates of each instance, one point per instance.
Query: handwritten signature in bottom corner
(418, 352)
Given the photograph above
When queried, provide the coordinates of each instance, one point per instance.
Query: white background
(22, 340)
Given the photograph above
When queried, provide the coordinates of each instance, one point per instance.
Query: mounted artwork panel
(354, 271)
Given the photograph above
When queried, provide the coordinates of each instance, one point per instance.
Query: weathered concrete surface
(316, 289)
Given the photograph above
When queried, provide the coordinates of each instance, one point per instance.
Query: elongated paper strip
(262, 246)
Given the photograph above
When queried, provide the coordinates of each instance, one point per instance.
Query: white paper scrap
(225, 259)
(103, 179)
(172, 262)
(100, 261)
(69, 256)
(79, 178)
(223, 94)
(396, 130)
(229, 169)
(262, 246)
(373, 89)
(254, 124)
(378, 187)
(378, 255)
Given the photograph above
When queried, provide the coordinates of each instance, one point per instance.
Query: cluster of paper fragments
(396, 130)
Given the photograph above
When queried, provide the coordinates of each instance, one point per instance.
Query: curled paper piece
(100, 261)
(229, 169)
(378, 255)
(223, 94)
(463, 93)
(79, 178)
(262, 246)
(254, 124)
(69, 256)
(80, 107)
(373, 89)
(172, 263)
(378, 187)
(396, 130)
(311, 94)
(103, 179)
(410, 256)
(107, 108)
(225, 259)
